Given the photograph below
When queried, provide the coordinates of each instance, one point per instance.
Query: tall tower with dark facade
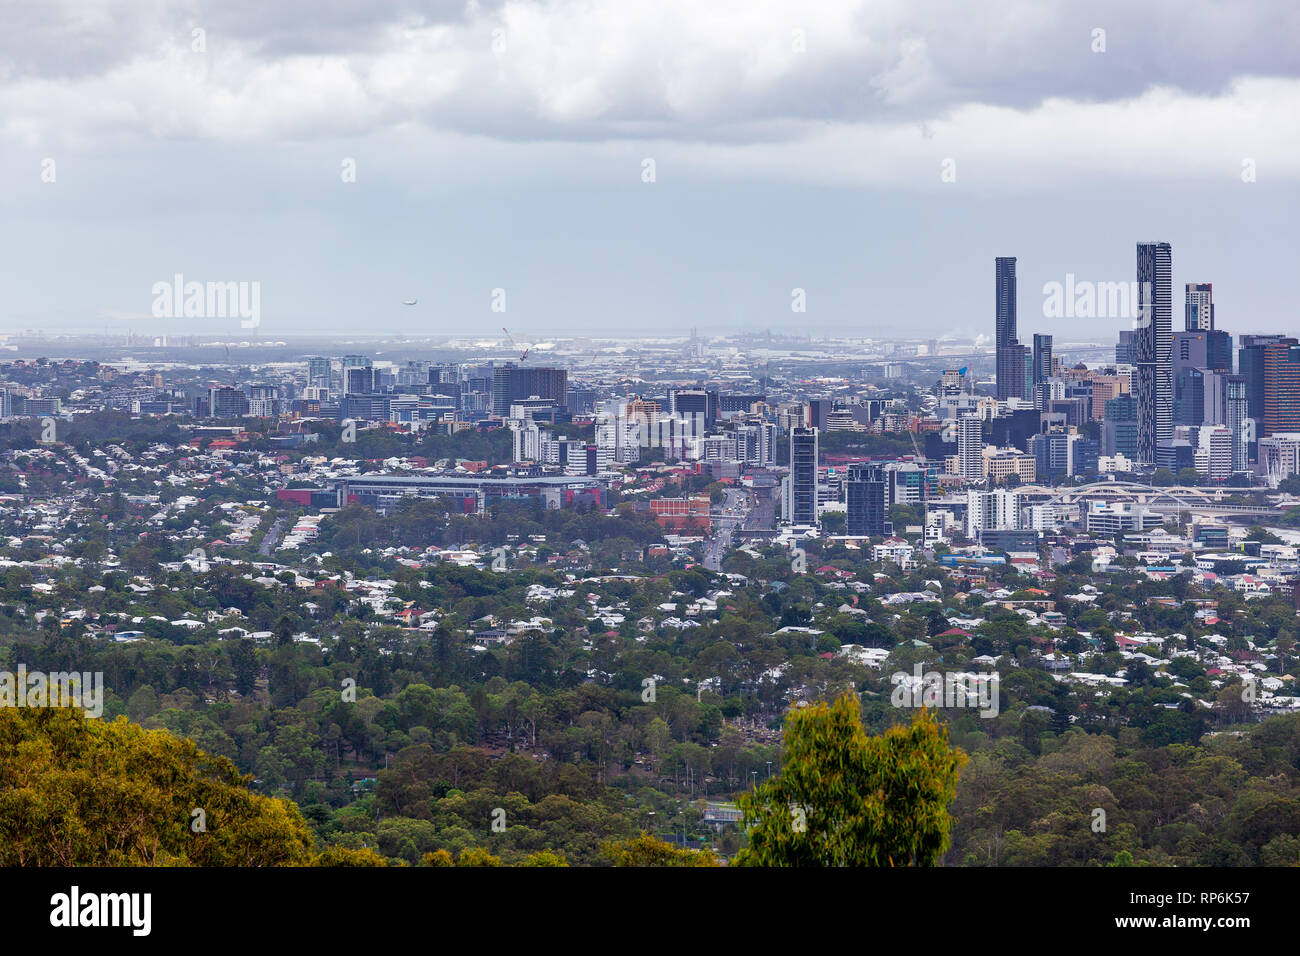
(1155, 345)
(801, 497)
(1008, 353)
(865, 500)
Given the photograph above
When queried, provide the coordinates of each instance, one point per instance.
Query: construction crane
(515, 344)
(916, 448)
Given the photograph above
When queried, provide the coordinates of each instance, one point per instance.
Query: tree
(343, 856)
(646, 850)
(544, 858)
(477, 856)
(844, 798)
(284, 631)
(81, 792)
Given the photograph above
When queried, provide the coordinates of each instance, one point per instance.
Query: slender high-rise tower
(1007, 352)
(800, 506)
(1155, 345)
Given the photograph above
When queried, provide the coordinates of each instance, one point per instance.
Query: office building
(1270, 368)
(1251, 367)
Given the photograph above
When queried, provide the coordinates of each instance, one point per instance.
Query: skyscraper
(1042, 358)
(1235, 415)
(1040, 369)
(866, 501)
(801, 497)
(1270, 367)
(1198, 313)
(1281, 388)
(970, 447)
(1008, 353)
(1154, 349)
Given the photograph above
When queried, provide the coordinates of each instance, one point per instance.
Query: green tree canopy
(80, 792)
(844, 798)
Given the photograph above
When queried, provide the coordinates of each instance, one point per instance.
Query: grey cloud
(613, 70)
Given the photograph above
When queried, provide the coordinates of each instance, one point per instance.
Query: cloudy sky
(627, 168)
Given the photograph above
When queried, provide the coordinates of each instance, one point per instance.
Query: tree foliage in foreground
(79, 792)
(646, 850)
(845, 798)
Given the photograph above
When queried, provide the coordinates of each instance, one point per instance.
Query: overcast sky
(797, 144)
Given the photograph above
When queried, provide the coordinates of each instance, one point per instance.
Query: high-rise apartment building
(1236, 415)
(996, 510)
(1214, 454)
(970, 447)
(801, 485)
(865, 497)
(318, 372)
(511, 382)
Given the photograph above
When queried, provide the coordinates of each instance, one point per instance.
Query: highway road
(731, 514)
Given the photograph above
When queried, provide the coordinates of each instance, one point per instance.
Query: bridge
(1174, 499)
